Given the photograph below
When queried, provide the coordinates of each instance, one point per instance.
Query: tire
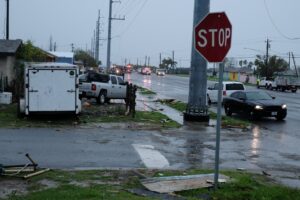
(102, 97)
(228, 111)
(294, 91)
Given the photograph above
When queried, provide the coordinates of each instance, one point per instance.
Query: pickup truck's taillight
(224, 93)
(94, 87)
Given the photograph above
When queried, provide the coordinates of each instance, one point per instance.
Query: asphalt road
(177, 87)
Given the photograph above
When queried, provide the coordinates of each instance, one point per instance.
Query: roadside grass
(155, 118)
(94, 114)
(108, 184)
(145, 91)
(226, 121)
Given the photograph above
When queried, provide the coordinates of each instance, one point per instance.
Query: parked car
(160, 72)
(255, 104)
(102, 87)
(228, 88)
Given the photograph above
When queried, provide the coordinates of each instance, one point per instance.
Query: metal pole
(219, 118)
(109, 35)
(196, 108)
(7, 20)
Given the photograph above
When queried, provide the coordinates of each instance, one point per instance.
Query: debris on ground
(180, 183)
(24, 171)
(147, 193)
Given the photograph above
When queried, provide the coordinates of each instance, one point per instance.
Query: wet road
(176, 87)
(189, 147)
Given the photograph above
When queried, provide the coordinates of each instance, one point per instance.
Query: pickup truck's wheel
(101, 98)
(294, 91)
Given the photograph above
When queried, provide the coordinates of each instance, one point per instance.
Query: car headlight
(283, 106)
(258, 107)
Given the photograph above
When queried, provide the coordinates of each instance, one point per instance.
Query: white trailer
(51, 88)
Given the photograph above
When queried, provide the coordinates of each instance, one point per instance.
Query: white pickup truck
(103, 87)
(266, 83)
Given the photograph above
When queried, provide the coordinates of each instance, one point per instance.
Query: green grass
(107, 184)
(145, 91)
(9, 119)
(226, 121)
(140, 116)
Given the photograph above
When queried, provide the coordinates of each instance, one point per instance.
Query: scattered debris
(146, 193)
(180, 183)
(266, 173)
(241, 169)
(22, 171)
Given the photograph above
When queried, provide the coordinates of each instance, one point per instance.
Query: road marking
(152, 158)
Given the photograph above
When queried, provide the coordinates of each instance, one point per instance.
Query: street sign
(213, 37)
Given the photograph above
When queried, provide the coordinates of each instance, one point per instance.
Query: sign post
(213, 41)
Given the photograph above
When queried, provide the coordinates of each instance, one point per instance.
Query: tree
(85, 57)
(166, 63)
(29, 53)
(275, 64)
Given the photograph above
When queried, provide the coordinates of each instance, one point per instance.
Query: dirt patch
(48, 184)
(12, 187)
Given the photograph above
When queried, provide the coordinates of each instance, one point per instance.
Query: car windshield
(258, 96)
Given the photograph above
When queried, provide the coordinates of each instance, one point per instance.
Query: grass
(145, 91)
(106, 184)
(113, 114)
(226, 121)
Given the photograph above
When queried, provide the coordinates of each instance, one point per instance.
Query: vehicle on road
(160, 72)
(265, 82)
(102, 87)
(146, 71)
(228, 88)
(255, 104)
(283, 83)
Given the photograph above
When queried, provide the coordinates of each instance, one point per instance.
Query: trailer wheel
(102, 97)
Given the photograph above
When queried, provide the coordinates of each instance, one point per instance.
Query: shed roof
(9, 46)
(62, 54)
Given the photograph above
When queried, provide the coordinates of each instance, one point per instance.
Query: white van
(228, 88)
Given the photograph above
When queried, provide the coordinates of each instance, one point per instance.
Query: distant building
(8, 52)
(63, 57)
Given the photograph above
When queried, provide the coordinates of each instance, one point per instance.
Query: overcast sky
(154, 26)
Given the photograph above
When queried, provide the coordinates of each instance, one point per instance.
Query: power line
(134, 18)
(275, 26)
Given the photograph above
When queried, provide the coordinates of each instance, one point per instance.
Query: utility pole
(54, 48)
(72, 47)
(173, 57)
(51, 44)
(295, 64)
(196, 108)
(110, 18)
(159, 60)
(97, 38)
(267, 57)
(289, 60)
(148, 61)
(7, 19)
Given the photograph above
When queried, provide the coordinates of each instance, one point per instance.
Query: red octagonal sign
(213, 37)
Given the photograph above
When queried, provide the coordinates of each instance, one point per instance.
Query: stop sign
(213, 37)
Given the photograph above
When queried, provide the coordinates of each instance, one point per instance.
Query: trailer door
(52, 90)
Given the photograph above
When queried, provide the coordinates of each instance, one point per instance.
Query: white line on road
(152, 158)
